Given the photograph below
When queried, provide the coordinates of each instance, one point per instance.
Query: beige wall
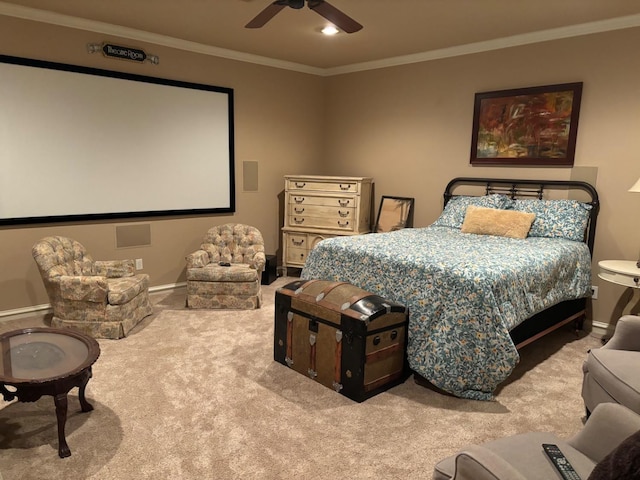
(278, 123)
(409, 127)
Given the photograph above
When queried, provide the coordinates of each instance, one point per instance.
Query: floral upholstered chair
(104, 299)
(226, 271)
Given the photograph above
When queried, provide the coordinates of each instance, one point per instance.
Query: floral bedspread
(464, 293)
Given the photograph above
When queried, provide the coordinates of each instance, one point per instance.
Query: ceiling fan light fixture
(330, 30)
(338, 18)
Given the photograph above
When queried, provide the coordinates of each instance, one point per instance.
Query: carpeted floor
(197, 395)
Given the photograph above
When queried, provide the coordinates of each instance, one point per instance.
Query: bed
(476, 298)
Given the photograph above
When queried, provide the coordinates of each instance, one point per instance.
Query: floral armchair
(104, 299)
(226, 271)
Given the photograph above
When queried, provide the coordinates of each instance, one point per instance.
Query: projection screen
(79, 143)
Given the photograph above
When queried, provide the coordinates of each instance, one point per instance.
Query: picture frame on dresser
(395, 213)
(526, 126)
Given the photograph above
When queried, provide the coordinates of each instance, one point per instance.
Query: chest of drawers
(319, 207)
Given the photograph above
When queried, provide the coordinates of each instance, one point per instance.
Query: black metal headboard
(532, 188)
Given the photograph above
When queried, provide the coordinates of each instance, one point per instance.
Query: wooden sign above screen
(79, 143)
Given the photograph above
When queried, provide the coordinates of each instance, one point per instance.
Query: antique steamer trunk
(343, 337)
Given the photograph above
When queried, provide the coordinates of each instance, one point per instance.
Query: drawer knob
(343, 203)
(345, 186)
(299, 221)
(394, 335)
(298, 199)
(343, 224)
(343, 214)
(300, 184)
(298, 210)
(297, 243)
(376, 340)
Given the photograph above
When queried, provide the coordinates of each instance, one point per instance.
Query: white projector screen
(78, 143)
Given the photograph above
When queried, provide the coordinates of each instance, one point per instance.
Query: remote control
(560, 462)
(224, 264)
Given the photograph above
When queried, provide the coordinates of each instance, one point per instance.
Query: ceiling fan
(328, 11)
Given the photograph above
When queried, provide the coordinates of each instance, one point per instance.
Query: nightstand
(627, 274)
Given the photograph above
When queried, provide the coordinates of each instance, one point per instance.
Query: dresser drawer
(326, 201)
(295, 248)
(296, 240)
(321, 211)
(310, 185)
(336, 223)
(296, 256)
(298, 245)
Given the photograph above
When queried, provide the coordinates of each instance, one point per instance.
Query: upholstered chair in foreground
(607, 447)
(104, 299)
(225, 272)
(612, 372)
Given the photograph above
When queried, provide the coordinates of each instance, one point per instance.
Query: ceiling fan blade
(335, 16)
(265, 15)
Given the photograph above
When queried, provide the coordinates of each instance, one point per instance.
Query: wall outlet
(594, 292)
(138, 264)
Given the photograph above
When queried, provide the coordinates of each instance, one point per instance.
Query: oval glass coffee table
(47, 361)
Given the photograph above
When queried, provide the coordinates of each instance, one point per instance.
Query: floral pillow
(556, 218)
(455, 210)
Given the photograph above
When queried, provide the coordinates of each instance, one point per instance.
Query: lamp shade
(636, 187)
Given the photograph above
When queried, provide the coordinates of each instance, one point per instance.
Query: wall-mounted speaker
(250, 176)
(135, 235)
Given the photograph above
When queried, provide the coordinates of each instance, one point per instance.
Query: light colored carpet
(197, 395)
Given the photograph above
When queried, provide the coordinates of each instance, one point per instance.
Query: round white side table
(627, 274)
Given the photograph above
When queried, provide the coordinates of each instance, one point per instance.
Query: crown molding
(27, 13)
(618, 23)
(43, 16)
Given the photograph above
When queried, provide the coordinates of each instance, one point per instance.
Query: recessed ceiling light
(330, 30)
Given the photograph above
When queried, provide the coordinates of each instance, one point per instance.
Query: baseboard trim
(26, 311)
(45, 308)
(601, 329)
(168, 286)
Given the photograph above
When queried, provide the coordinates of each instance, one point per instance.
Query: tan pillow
(492, 221)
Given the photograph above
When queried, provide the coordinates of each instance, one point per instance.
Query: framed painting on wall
(526, 126)
(395, 213)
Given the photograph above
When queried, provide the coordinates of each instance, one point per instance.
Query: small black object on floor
(269, 274)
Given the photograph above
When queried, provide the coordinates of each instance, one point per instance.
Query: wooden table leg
(84, 405)
(61, 413)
